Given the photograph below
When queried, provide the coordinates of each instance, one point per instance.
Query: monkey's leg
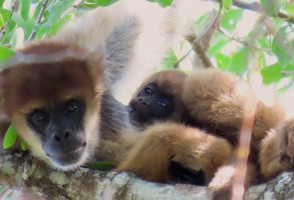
(277, 150)
(160, 143)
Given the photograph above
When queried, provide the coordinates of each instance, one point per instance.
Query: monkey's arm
(160, 143)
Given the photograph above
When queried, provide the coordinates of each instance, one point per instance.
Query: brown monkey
(216, 100)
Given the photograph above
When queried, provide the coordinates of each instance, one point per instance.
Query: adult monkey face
(52, 97)
(159, 98)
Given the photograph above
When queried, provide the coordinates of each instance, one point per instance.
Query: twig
(247, 44)
(3, 29)
(254, 6)
(194, 40)
(75, 6)
(36, 27)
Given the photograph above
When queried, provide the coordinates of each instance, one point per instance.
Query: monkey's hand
(277, 150)
(150, 158)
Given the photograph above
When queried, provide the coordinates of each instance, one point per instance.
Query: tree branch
(76, 5)
(20, 171)
(256, 7)
(13, 9)
(197, 44)
(36, 27)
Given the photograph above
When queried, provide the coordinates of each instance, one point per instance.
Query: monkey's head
(51, 95)
(159, 99)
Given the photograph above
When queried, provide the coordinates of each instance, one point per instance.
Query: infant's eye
(148, 90)
(162, 105)
(39, 116)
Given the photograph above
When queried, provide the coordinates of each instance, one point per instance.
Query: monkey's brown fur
(216, 100)
(161, 142)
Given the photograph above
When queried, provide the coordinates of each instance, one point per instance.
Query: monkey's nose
(143, 101)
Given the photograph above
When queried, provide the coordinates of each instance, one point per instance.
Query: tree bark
(22, 172)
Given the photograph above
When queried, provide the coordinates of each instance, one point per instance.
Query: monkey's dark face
(151, 105)
(60, 128)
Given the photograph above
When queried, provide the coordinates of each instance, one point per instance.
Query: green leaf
(282, 45)
(27, 26)
(105, 2)
(216, 48)
(227, 3)
(25, 9)
(103, 166)
(89, 4)
(10, 137)
(5, 53)
(37, 10)
(223, 61)
(272, 73)
(271, 7)
(53, 29)
(1, 2)
(4, 16)
(169, 60)
(239, 62)
(165, 3)
(231, 18)
(56, 10)
(290, 8)
(24, 145)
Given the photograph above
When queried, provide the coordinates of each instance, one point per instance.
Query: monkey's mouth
(137, 116)
(68, 157)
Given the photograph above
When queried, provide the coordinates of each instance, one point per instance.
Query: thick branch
(254, 6)
(24, 173)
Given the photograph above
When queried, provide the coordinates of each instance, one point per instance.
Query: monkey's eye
(162, 105)
(148, 90)
(39, 116)
(72, 106)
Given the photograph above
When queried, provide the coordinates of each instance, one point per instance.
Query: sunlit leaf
(272, 73)
(290, 8)
(165, 3)
(105, 2)
(4, 16)
(1, 2)
(283, 45)
(37, 10)
(10, 137)
(24, 145)
(103, 166)
(5, 53)
(231, 18)
(223, 61)
(227, 3)
(271, 7)
(25, 9)
(239, 62)
(169, 60)
(27, 26)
